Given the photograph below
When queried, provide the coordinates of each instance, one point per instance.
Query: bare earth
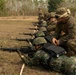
(10, 62)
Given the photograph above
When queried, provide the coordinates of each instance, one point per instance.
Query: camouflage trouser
(69, 66)
(72, 45)
(56, 63)
(63, 64)
(52, 62)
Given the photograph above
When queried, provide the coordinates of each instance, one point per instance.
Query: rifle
(31, 34)
(33, 28)
(24, 49)
(19, 39)
(9, 49)
(38, 26)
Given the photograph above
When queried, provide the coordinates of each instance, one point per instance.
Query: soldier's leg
(64, 64)
(72, 46)
(56, 63)
(69, 66)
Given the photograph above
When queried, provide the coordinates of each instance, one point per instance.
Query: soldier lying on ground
(59, 64)
(65, 31)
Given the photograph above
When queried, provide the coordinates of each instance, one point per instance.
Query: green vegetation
(53, 4)
(2, 7)
(30, 7)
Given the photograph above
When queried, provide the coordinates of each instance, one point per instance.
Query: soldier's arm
(71, 34)
(57, 31)
(29, 61)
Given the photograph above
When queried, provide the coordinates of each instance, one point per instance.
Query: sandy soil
(10, 62)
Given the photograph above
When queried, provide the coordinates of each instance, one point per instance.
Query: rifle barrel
(33, 28)
(8, 49)
(21, 39)
(28, 33)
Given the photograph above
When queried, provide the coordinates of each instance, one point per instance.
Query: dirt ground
(10, 62)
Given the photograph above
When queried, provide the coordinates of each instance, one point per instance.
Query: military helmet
(42, 29)
(39, 41)
(62, 12)
(39, 34)
(69, 66)
(44, 23)
(52, 14)
(50, 28)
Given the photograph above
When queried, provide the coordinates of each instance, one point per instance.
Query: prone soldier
(54, 63)
(37, 55)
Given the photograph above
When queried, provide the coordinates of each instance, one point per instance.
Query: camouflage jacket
(68, 28)
(39, 57)
(63, 64)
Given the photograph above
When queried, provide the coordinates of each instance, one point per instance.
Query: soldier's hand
(55, 41)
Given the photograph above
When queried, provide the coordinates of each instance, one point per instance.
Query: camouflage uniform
(51, 15)
(43, 24)
(40, 16)
(69, 66)
(51, 24)
(39, 54)
(65, 31)
(61, 64)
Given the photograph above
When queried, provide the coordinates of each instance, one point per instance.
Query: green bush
(53, 5)
(2, 7)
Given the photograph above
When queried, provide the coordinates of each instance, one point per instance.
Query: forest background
(30, 7)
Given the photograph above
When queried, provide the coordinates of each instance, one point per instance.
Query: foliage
(2, 7)
(53, 5)
(73, 9)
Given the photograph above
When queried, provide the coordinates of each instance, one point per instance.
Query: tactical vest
(53, 50)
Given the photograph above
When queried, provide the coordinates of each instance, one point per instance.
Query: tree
(53, 5)
(2, 7)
